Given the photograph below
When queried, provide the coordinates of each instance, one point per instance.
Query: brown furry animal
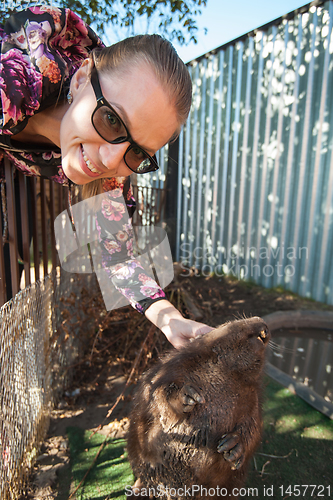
(196, 419)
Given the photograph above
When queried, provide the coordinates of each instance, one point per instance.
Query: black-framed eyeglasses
(112, 129)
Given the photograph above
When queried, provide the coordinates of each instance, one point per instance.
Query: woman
(77, 112)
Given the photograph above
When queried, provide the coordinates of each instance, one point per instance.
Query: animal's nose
(264, 335)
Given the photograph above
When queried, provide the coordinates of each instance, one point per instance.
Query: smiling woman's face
(142, 104)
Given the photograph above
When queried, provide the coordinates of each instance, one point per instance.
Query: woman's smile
(89, 165)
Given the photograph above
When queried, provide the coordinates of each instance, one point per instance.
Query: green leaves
(174, 19)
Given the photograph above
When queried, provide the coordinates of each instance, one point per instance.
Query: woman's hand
(177, 329)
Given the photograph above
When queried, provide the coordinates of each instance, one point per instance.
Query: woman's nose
(112, 155)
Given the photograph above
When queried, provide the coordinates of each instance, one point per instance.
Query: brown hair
(163, 59)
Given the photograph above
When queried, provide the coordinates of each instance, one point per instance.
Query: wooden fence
(29, 206)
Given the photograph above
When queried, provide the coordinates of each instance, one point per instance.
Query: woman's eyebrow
(123, 115)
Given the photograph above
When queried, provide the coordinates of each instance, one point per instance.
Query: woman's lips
(87, 167)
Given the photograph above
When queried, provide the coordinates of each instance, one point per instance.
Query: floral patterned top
(41, 48)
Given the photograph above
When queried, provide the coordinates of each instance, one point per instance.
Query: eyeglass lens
(111, 128)
(109, 125)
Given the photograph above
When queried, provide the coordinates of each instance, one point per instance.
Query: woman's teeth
(89, 164)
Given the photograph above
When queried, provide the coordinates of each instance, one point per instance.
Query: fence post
(171, 203)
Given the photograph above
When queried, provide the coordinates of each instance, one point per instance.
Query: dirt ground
(126, 344)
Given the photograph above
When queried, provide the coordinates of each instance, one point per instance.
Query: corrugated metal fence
(255, 178)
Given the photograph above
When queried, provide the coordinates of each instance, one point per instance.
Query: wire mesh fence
(41, 335)
(25, 382)
(33, 350)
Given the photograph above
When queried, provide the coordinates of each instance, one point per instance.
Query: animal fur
(196, 419)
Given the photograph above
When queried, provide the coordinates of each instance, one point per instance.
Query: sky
(226, 20)
(229, 19)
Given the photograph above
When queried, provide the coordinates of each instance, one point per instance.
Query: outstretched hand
(177, 329)
(179, 332)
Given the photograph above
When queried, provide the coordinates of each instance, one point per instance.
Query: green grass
(111, 472)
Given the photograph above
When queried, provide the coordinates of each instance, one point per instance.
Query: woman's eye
(138, 152)
(112, 119)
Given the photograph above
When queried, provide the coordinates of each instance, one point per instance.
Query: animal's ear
(183, 399)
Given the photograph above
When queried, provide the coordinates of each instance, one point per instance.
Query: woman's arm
(131, 279)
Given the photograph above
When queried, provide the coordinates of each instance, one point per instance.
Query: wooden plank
(3, 292)
(25, 227)
(32, 181)
(52, 217)
(12, 229)
(44, 226)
